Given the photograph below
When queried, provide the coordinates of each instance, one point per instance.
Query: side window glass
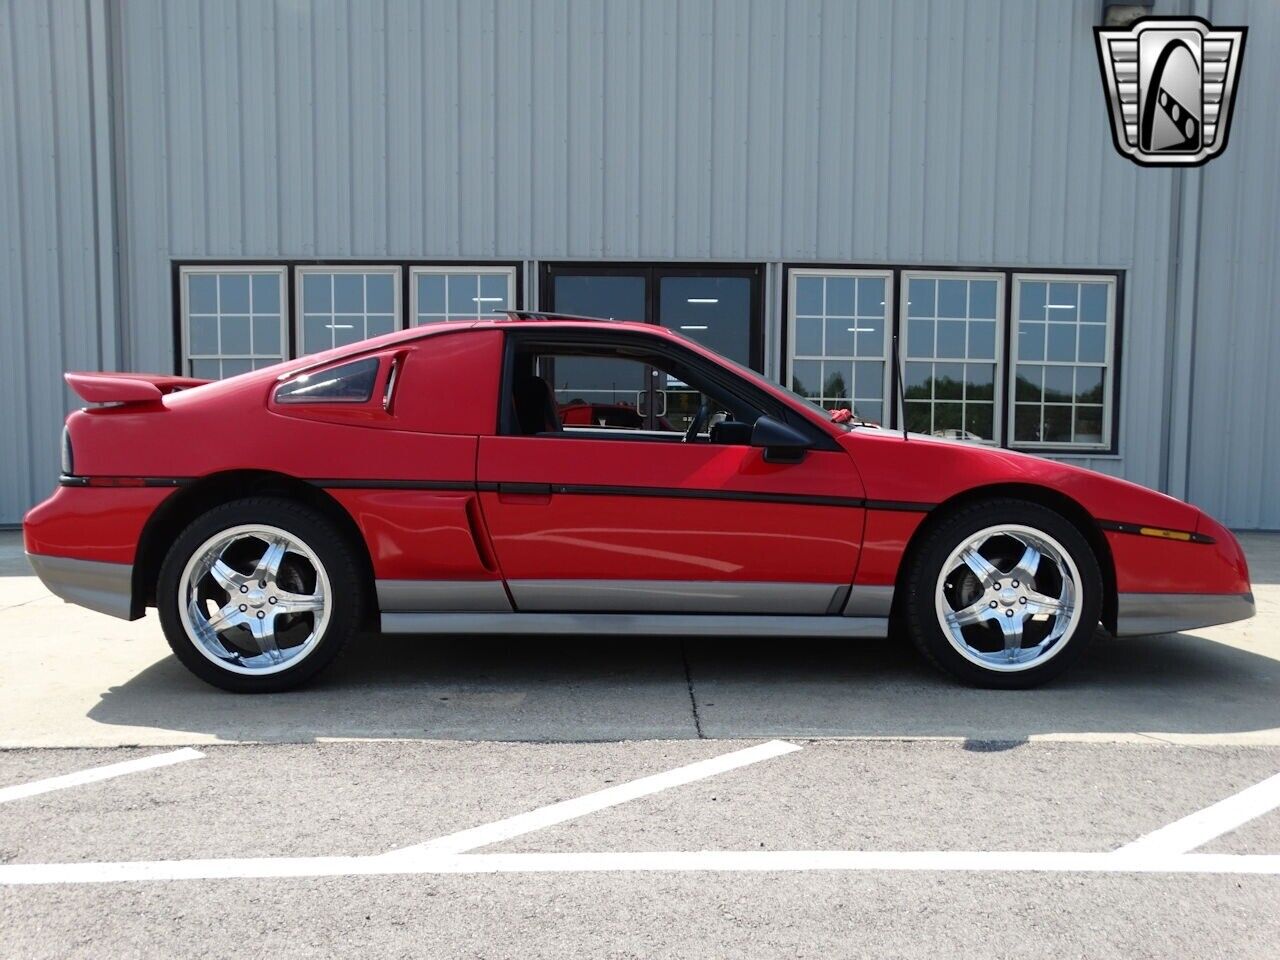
(349, 383)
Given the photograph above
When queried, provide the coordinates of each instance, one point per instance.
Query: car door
(620, 514)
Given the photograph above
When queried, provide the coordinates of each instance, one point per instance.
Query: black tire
(919, 606)
(313, 529)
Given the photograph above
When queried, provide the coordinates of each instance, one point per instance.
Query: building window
(840, 324)
(232, 319)
(337, 306)
(1062, 357)
(951, 348)
(444, 293)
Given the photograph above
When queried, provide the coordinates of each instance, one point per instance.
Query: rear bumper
(1139, 614)
(105, 587)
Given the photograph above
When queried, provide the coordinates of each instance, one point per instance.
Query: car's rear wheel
(259, 595)
(1003, 594)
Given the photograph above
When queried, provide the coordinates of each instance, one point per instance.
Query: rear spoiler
(127, 387)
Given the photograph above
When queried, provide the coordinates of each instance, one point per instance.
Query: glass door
(716, 306)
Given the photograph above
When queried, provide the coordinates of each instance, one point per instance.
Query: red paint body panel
(609, 536)
(420, 534)
(887, 534)
(87, 523)
(127, 387)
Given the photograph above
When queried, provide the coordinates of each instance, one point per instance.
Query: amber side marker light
(1164, 534)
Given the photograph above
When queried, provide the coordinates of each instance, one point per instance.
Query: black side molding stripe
(677, 493)
(1137, 529)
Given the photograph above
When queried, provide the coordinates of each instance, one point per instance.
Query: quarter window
(440, 294)
(839, 324)
(1062, 350)
(348, 383)
(951, 351)
(340, 306)
(232, 320)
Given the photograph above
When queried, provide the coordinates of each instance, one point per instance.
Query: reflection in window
(349, 383)
(950, 349)
(232, 320)
(343, 306)
(839, 321)
(442, 294)
(1061, 388)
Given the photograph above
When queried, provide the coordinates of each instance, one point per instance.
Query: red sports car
(423, 482)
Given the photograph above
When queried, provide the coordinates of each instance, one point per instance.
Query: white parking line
(97, 773)
(1199, 828)
(580, 806)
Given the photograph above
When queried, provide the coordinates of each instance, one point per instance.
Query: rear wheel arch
(176, 512)
(1059, 503)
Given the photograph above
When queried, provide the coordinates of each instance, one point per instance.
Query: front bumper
(1139, 614)
(105, 587)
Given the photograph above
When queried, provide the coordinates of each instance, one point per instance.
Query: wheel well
(189, 502)
(1052, 500)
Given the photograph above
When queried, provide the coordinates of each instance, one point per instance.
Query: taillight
(68, 461)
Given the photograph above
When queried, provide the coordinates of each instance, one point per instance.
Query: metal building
(210, 186)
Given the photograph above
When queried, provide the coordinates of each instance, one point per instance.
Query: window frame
(997, 385)
(301, 271)
(443, 269)
(1110, 363)
(789, 313)
(182, 343)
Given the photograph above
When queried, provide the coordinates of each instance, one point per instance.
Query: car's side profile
(429, 482)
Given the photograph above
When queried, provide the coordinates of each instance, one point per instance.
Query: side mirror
(781, 443)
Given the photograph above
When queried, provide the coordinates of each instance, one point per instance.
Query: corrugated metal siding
(919, 132)
(1234, 468)
(49, 316)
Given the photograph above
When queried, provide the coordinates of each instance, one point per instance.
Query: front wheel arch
(1051, 499)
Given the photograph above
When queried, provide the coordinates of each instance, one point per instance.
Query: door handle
(526, 489)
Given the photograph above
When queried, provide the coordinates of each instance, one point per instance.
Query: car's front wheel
(1003, 593)
(259, 595)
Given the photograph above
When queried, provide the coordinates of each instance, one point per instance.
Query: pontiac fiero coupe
(430, 481)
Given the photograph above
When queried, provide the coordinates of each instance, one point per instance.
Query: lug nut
(1015, 583)
(993, 603)
(1007, 613)
(273, 600)
(1022, 599)
(243, 608)
(997, 585)
(261, 614)
(244, 588)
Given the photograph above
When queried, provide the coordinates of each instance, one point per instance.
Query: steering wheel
(699, 420)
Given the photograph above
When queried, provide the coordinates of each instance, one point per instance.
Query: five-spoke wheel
(259, 594)
(1003, 593)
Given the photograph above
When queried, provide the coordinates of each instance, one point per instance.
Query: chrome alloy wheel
(1007, 598)
(254, 599)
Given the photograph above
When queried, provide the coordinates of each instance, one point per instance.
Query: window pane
(317, 293)
(869, 379)
(840, 338)
(979, 420)
(951, 335)
(233, 293)
(351, 382)
(266, 293)
(948, 381)
(266, 335)
(947, 416)
(463, 291)
(1031, 341)
(1032, 300)
(979, 380)
(871, 297)
(1058, 384)
(206, 369)
(920, 298)
(348, 293)
(919, 417)
(1089, 384)
(809, 296)
(982, 340)
(431, 293)
(203, 336)
(953, 298)
(202, 293)
(920, 338)
(872, 410)
(1061, 345)
(1093, 302)
(806, 378)
(839, 297)
(493, 293)
(1057, 424)
(835, 380)
(379, 293)
(233, 368)
(1093, 343)
(1088, 425)
(918, 382)
(870, 334)
(808, 337)
(378, 325)
(982, 299)
(1030, 383)
(1026, 423)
